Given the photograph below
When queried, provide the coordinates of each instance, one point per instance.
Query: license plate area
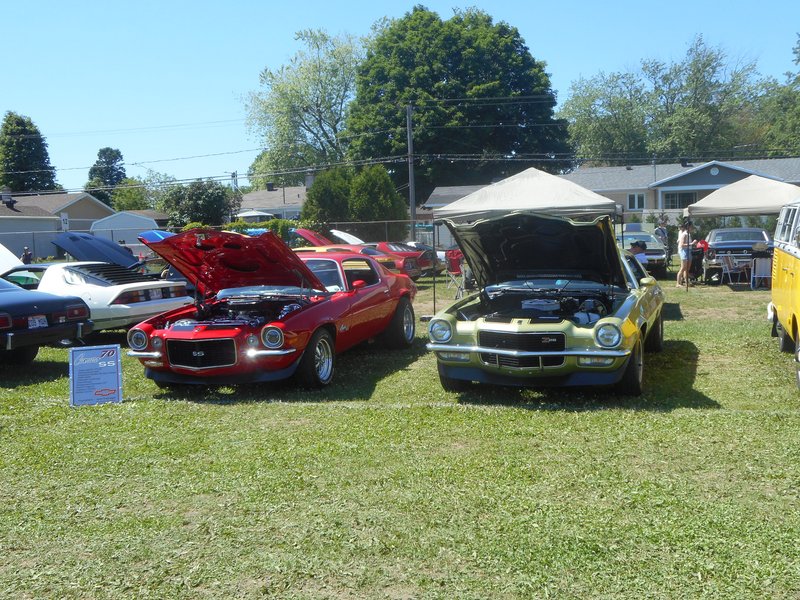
(37, 321)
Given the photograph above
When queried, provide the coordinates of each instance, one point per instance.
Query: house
(29, 226)
(667, 188)
(283, 203)
(77, 210)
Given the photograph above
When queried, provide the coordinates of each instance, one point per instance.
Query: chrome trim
(254, 352)
(521, 353)
(9, 335)
(140, 354)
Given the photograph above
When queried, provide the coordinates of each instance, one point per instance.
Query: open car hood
(85, 246)
(523, 245)
(216, 260)
(8, 260)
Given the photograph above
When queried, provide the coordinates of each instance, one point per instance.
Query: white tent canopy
(753, 195)
(530, 190)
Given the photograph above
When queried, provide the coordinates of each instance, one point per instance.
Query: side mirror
(358, 284)
(648, 281)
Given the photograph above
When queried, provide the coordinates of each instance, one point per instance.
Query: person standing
(685, 243)
(27, 256)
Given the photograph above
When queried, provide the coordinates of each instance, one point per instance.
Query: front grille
(201, 354)
(521, 362)
(527, 342)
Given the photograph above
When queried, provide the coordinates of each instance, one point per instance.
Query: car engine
(581, 309)
(237, 312)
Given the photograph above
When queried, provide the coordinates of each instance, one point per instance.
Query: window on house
(635, 201)
(674, 200)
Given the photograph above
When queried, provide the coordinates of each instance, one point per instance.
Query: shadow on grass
(672, 311)
(39, 371)
(668, 385)
(358, 372)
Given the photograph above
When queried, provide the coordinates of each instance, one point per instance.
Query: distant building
(282, 202)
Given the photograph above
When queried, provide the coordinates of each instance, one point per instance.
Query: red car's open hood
(216, 260)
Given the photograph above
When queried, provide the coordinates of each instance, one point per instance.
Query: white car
(118, 296)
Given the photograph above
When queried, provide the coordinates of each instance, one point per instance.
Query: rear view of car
(31, 319)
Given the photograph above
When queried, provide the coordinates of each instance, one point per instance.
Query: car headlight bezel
(137, 339)
(608, 335)
(440, 331)
(272, 337)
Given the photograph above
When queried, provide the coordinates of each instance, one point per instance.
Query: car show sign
(95, 375)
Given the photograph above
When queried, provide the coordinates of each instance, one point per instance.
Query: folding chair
(455, 274)
(761, 271)
(730, 268)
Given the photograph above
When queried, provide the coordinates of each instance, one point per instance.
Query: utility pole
(412, 206)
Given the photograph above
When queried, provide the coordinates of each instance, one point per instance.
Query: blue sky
(165, 81)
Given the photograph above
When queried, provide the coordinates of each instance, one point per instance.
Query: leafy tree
(328, 197)
(205, 201)
(701, 107)
(300, 112)
(374, 198)
(24, 160)
(780, 114)
(480, 100)
(105, 174)
(130, 194)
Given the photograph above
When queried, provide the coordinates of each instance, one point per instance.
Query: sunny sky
(165, 81)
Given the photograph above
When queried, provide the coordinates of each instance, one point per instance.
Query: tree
(300, 112)
(328, 198)
(373, 198)
(130, 194)
(203, 201)
(24, 160)
(780, 114)
(701, 107)
(482, 105)
(105, 174)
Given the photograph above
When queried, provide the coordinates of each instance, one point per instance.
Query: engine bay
(543, 307)
(245, 311)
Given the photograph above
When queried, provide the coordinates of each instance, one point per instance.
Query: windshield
(263, 292)
(647, 238)
(740, 235)
(539, 284)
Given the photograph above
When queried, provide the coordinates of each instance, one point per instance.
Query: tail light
(130, 297)
(77, 311)
(5, 321)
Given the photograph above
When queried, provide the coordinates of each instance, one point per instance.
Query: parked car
(406, 266)
(656, 252)
(426, 257)
(742, 244)
(31, 319)
(557, 304)
(118, 295)
(267, 313)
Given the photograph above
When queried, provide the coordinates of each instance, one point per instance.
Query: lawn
(384, 486)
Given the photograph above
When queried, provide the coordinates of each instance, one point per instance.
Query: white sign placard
(95, 375)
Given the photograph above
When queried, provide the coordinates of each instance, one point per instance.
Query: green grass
(384, 486)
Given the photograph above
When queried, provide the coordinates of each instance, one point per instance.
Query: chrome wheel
(323, 359)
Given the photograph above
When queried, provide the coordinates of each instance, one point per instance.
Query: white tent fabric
(530, 190)
(753, 195)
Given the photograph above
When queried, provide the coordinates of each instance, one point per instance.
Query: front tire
(452, 385)
(655, 337)
(403, 326)
(785, 342)
(631, 382)
(319, 361)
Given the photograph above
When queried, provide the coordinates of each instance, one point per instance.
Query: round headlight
(272, 337)
(440, 331)
(157, 343)
(137, 339)
(608, 335)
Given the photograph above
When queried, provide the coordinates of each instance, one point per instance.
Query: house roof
(275, 200)
(56, 202)
(642, 177)
(20, 210)
(156, 215)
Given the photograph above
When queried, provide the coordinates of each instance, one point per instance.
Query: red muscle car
(265, 313)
